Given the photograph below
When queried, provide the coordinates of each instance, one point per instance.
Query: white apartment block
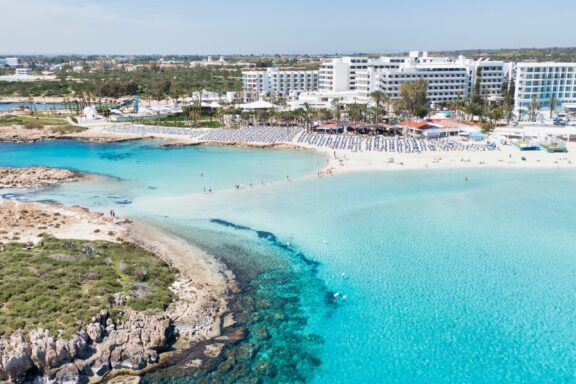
(23, 71)
(275, 82)
(541, 81)
(344, 74)
(448, 78)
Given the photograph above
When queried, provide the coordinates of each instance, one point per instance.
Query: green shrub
(38, 291)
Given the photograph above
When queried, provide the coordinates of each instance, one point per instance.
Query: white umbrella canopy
(260, 104)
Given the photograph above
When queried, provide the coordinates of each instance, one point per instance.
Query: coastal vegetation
(61, 284)
(413, 98)
(57, 125)
(153, 82)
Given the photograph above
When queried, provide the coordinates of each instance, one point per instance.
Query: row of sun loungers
(154, 130)
(271, 135)
(389, 144)
(268, 135)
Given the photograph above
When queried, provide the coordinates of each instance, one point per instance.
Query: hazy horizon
(215, 55)
(175, 27)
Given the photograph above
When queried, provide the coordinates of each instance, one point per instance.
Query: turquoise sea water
(446, 281)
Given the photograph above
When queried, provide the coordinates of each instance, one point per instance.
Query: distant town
(322, 81)
(278, 90)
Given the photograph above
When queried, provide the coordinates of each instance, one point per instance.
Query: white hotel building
(541, 81)
(274, 82)
(352, 79)
(448, 78)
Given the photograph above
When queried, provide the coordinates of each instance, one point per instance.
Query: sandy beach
(202, 286)
(505, 157)
(27, 222)
(340, 161)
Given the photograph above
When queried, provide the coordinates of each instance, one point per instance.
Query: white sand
(504, 157)
(24, 222)
(202, 286)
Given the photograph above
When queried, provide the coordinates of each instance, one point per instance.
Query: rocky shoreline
(93, 352)
(105, 347)
(36, 177)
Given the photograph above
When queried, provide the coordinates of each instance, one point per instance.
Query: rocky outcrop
(91, 353)
(35, 176)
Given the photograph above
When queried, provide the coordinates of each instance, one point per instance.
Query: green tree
(508, 90)
(380, 99)
(477, 91)
(534, 108)
(553, 101)
(307, 114)
(337, 109)
(325, 114)
(413, 97)
(356, 112)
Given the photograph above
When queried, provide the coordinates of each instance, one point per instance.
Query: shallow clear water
(446, 281)
(143, 168)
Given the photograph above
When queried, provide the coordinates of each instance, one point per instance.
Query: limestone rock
(132, 344)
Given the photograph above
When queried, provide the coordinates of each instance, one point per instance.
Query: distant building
(276, 82)
(13, 61)
(23, 71)
(221, 62)
(542, 81)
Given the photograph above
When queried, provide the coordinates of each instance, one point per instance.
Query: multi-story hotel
(344, 74)
(542, 81)
(352, 79)
(448, 78)
(275, 82)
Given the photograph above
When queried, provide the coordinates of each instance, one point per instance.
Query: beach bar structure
(432, 129)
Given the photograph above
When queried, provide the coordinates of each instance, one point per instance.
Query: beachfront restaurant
(329, 128)
(428, 130)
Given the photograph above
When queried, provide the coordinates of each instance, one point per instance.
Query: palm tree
(552, 104)
(534, 108)
(337, 111)
(356, 112)
(380, 99)
(307, 113)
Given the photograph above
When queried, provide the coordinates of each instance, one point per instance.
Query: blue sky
(274, 26)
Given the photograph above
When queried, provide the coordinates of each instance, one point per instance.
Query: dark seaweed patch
(272, 238)
(115, 156)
